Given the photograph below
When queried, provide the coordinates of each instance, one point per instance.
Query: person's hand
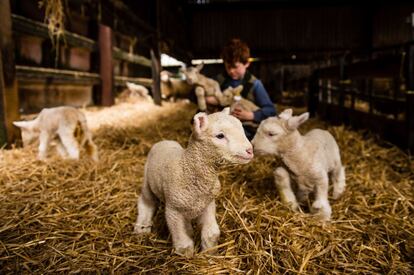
(243, 115)
(211, 100)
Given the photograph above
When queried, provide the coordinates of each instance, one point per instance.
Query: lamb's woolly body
(64, 125)
(205, 86)
(310, 160)
(174, 87)
(186, 179)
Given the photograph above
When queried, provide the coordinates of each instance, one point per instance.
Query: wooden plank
(9, 100)
(120, 81)
(27, 26)
(131, 58)
(30, 74)
(106, 68)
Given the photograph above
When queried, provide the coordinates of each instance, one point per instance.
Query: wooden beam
(9, 100)
(105, 65)
(27, 26)
(120, 81)
(30, 74)
(131, 58)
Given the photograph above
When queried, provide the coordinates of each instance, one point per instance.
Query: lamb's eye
(271, 134)
(220, 136)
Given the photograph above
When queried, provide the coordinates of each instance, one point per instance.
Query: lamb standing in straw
(310, 160)
(187, 181)
(64, 125)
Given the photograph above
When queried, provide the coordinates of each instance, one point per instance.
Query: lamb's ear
(200, 66)
(226, 110)
(23, 124)
(286, 114)
(294, 122)
(200, 124)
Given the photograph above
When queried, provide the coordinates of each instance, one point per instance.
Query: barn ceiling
(279, 29)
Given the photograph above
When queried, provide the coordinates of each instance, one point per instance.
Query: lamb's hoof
(187, 251)
(294, 206)
(322, 209)
(209, 247)
(337, 194)
(142, 229)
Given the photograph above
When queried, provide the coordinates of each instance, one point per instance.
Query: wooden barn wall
(285, 29)
(175, 29)
(393, 25)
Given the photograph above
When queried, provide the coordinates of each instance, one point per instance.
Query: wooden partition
(375, 94)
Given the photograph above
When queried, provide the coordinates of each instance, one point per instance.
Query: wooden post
(105, 65)
(9, 97)
(409, 77)
(156, 78)
(342, 80)
(156, 57)
(313, 91)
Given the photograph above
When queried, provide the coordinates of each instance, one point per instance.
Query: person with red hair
(236, 55)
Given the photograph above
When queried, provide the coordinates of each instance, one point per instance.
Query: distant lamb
(187, 179)
(205, 86)
(64, 125)
(133, 94)
(172, 87)
(310, 160)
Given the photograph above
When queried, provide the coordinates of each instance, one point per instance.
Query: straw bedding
(77, 217)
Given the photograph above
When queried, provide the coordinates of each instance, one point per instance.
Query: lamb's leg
(220, 97)
(321, 203)
(91, 149)
(282, 182)
(338, 182)
(44, 140)
(201, 99)
(61, 149)
(70, 143)
(147, 204)
(210, 231)
(302, 194)
(181, 232)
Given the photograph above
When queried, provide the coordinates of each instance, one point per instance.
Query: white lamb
(310, 160)
(205, 86)
(173, 88)
(66, 126)
(133, 94)
(187, 179)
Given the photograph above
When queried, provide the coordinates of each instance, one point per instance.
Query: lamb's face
(30, 132)
(228, 137)
(270, 134)
(225, 135)
(191, 75)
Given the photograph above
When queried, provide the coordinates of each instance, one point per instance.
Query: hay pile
(65, 216)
